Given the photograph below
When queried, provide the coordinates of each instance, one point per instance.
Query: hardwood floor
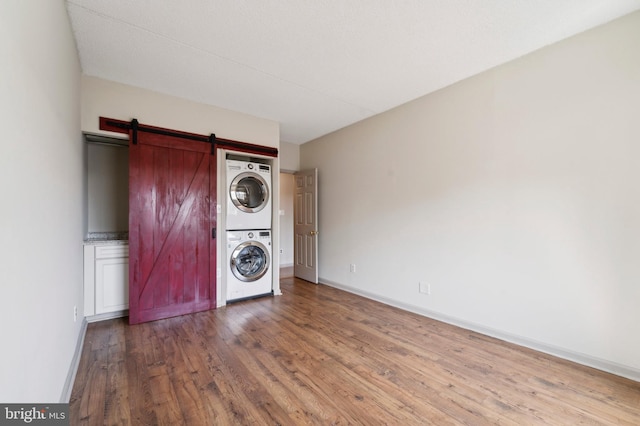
(317, 355)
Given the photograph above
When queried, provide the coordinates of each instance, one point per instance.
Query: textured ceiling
(316, 65)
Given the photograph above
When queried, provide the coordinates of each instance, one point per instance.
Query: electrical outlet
(75, 313)
(281, 251)
(424, 288)
(352, 267)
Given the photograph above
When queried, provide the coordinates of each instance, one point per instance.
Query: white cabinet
(106, 280)
(112, 278)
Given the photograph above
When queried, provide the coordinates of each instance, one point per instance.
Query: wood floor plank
(309, 359)
(198, 383)
(222, 368)
(253, 346)
(317, 355)
(283, 383)
(140, 405)
(88, 398)
(117, 394)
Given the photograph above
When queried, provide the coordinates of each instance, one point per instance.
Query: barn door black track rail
(120, 126)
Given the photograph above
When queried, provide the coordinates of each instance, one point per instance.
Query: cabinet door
(112, 285)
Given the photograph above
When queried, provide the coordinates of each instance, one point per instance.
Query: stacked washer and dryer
(248, 230)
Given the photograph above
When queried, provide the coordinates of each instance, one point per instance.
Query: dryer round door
(249, 192)
(250, 261)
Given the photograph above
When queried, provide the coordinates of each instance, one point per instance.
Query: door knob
(313, 233)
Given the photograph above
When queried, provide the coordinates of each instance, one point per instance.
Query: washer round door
(250, 261)
(249, 192)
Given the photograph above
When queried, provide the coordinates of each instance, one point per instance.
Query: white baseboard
(73, 368)
(589, 361)
(107, 316)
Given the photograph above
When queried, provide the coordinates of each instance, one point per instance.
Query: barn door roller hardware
(119, 126)
(134, 131)
(212, 141)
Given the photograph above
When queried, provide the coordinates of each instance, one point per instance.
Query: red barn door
(172, 217)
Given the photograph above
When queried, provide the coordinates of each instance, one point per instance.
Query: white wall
(107, 188)
(41, 165)
(289, 157)
(113, 100)
(515, 194)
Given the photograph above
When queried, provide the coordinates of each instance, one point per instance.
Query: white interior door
(305, 227)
